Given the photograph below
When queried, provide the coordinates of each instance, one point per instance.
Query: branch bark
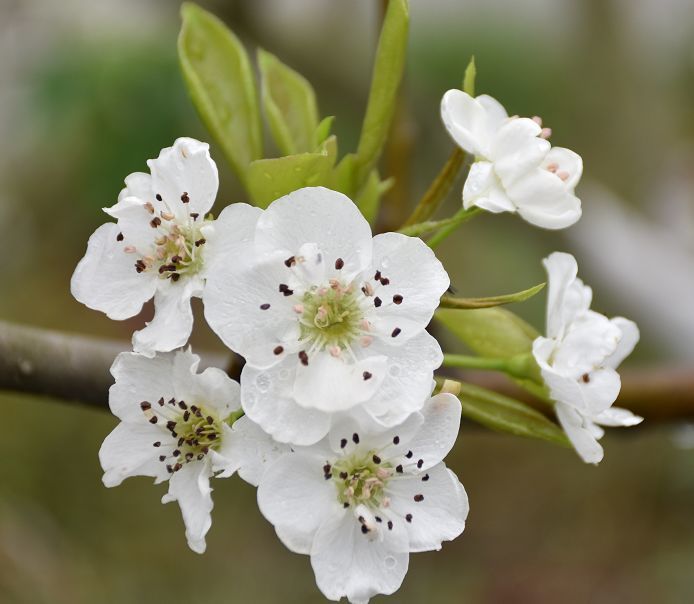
(75, 368)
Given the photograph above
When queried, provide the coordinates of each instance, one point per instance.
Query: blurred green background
(90, 90)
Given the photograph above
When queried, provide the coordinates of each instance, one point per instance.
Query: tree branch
(75, 368)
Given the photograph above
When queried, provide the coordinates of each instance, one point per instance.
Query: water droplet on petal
(283, 374)
(394, 370)
(262, 382)
(389, 562)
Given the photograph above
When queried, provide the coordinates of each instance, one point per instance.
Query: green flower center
(331, 316)
(360, 479)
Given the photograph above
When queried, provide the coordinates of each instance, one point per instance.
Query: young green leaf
(220, 81)
(324, 128)
(472, 303)
(490, 332)
(269, 179)
(470, 77)
(505, 414)
(385, 81)
(290, 105)
(369, 198)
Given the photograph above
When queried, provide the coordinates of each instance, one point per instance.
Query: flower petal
(173, 319)
(212, 388)
(317, 215)
(629, 339)
(295, 497)
(617, 417)
(465, 119)
(249, 451)
(266, 397)
(567, 297)
(579, 433)
(567, 161)
(517, 149)
(128, 451)
(483, 189)
(416, 276)
(106, 279)
(543, 199)
(190, 486)
(185, 171)
(349, 563)
(438, 516)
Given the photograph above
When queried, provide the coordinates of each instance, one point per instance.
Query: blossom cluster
(336, 419)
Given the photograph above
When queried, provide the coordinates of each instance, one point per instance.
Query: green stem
(422, 228)
(438, 189)
(521, 366)
(459, 218)
(489, 302)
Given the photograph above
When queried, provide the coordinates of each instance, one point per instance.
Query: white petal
(106, 279)
(587, 447)
(517, 150)
(565, 160)
(345, 426)
(212, 388)
(567, 296)
(317, 215)
(172, 322)
(137, 184)
(128, 451)
(438, 432)
(414, 273)
(483, 189)
(248, 450)
(185, 168)
(629, 339)
(246, 309)
(349, 563)
(139, 378)
(295, 497)
(409, 377)
(543, 199)
(440, 516)
(266, 397)
(465, 120)
(332, 384)
(232, 234)
(496, 115)
(617, 417)
(190, 486)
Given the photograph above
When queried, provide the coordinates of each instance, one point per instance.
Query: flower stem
(520, 366)
(438, 189)
(459, 218)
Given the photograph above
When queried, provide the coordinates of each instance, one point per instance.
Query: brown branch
(64, 366)
(75, 368)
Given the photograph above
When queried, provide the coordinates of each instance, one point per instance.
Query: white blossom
(174, 427)
(329, 320)
(579, 357)
(161, 246)
(358, 503)
(515, 168)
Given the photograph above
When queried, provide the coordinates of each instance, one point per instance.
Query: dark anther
(174, 277)
(377, 302)
(364, 529)
(153, 419)
(355, 438)
(367, 375)
(185, 198)
(390, 525)
(200, 242)
(425, 477)
(210, 419)
(419, 497)
(144, 405)
(396, 440)
(171, 425)
(345, 505)
(289, 262)
(162, 457)
(278, 350)
(186, 416)
(339, 263)
(182, 404)
(408, 455)
(158, 197)
(343, 443)
(264, 306)
(377, 276)
(408, 517)
(384, 280)
(284, 289)
(155, 222)
(586, 378)
(169, 469)
(378, 519)
(119, 237)
(157, 444)
(176, 453)
(194, 215)
(177, 467)
(420, 463)
(396, 332)
(397, 298)
(398, 469)
(303, 357)
(160, 402)
(344, 475)
(376, 459)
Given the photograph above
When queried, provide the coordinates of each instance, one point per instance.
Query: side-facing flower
(327, 317)
(579, 357)
(160, 245)
(515, 168)
(358, 503)
(174, 427)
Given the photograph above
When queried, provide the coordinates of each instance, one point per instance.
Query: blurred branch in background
(75, 368)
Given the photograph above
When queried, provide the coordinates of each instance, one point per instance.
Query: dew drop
(389, 562)
(262, 382)
(394, 370)
(283, 374)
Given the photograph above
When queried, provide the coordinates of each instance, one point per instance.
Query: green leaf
(472, 303)
(369, 199)
(470, 77)
(290, 105)
(490, 332)
(269, 179)
(220, 82)
(324, 128)
(505, 414)
(385, 81)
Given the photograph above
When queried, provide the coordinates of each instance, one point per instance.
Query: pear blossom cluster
(336, 418)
